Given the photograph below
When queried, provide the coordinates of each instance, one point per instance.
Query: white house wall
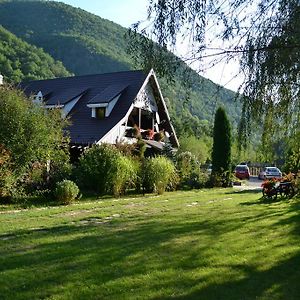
(115, 135)
(144, 100)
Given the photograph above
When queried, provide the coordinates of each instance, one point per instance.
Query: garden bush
(104, 169)
(126, 174)
(6, 176)
(297, 183)
(66, 191)
(140, 149)
(221, 179)
(158, 173)
(31, 136)
(190, 174)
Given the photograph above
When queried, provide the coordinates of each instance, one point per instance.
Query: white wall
(146, 99)
(115, 135)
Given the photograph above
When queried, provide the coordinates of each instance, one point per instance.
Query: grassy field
(206, 244)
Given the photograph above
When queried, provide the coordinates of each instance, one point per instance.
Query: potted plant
(133, 132)
(149, 133)
(159, 136)
(269, 187)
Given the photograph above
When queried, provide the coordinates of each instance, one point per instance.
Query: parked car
(269, 172)
(242, 172)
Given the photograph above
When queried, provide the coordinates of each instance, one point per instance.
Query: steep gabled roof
(84, 129)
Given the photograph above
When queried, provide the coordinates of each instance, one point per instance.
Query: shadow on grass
(281, 280)
(109, 260)
(266, 200)
(294, 216)
(100, 254)
(255, 191)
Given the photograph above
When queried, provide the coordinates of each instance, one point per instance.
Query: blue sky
(123, 12)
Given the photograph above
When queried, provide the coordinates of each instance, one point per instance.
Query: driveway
(252, 184)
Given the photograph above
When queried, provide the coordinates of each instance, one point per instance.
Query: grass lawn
(206, 244)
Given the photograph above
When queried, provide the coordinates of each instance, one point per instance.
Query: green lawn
(206, 244)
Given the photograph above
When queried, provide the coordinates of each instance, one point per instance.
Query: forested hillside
(85, 43)
(21, 61)
(88, 44)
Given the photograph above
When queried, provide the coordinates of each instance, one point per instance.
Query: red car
(242, 172)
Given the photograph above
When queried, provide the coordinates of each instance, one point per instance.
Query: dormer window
(100, 113)
(103, 103)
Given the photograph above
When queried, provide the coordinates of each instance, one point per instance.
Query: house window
(100, 113)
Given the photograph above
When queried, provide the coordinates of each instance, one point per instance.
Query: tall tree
(29, 135)
(221, 152)
(28, 131)
(292, 162)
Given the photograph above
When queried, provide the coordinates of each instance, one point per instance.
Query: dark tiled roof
(63, 96)
(84, 129)
(109, 93)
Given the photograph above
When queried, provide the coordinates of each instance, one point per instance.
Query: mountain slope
(21, 61)
(88, 44)
(85, 43)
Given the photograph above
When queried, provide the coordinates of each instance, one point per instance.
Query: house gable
(148, 104)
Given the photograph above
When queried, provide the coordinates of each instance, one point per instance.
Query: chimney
(1, 79)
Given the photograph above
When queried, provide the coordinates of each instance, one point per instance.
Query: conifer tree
(221, 153)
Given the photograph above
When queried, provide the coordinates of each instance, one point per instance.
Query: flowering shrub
(269, 188)
(148, 134)
(269, 184)
(136, 131)
(159, 136)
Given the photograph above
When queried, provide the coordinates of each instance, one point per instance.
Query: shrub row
(106, 170)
